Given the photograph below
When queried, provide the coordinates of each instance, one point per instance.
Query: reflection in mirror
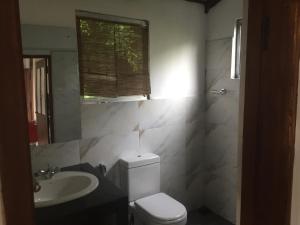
(52, 83)
(38, 99)
(113, 66)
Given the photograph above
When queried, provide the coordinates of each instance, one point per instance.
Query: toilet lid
(161, 207)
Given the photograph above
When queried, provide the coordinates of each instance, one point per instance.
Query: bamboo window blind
(113, 56)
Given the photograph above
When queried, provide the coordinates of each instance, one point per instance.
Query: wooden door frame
(270, 107)
(15, 167)
(269, 115)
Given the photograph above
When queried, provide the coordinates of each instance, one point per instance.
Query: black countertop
(104, 200)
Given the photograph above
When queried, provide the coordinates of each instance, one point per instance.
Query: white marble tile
(218, 57)
(66, 96)
(107, 150)
(194, 147)
(61, 155)
(109, 118)
(173, 179)
(218, 51)
(194, 136)
(195, 109)
(220, 115)
(161, 112)
(222, 110)
(195, 191)
(221, 145)
(220, 192)
(163, 141)
(221, 132)
(169, 143)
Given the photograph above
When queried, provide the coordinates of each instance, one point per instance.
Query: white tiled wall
(173, 129)
(196, 138)
(221, 133)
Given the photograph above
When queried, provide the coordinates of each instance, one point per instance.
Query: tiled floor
(205, 218)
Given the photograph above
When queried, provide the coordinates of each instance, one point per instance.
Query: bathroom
(188, 114)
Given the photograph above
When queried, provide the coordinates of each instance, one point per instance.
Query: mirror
(52, 83)
(110, 64)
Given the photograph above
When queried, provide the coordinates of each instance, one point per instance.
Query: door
(29, 93)
(15, 172)
(43, 112)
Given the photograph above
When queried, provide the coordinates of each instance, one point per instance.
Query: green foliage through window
(113, 57)
(123, 41)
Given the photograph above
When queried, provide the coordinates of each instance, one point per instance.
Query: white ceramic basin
(64, 187)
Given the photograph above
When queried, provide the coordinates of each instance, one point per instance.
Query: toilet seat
(161, 209)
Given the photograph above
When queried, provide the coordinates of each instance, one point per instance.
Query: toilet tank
(140, 175)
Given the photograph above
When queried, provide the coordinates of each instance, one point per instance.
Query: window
(236, 50)
(113, 56)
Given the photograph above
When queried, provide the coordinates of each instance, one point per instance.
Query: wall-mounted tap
(222, 91)
(36, 186)
(48, 173)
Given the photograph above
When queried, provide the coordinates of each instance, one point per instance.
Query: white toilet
(140, 178)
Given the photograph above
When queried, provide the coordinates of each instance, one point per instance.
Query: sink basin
(64, 187)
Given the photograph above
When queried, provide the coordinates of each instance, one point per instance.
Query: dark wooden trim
(270, 111)
(49, 67)
(93, 16)
(147, 60)
(208, 4)
(14, 150)
(77, 19)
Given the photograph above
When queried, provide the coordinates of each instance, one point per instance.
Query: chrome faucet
(48, 173)
(36, 186)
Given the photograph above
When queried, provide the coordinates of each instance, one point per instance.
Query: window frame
(80, 14)
(236, 50)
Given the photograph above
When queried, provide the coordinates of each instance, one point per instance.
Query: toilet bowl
(160, 209)
(140, 178)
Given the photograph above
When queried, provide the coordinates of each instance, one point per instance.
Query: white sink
(64, 187)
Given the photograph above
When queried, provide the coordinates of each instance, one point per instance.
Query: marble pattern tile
(66, 96)
(221, 132)
(194, 151)
(161, 112)
(169, 145)
(221, 147)
(172, 128)
(196, 138)
(60, 154)
(221, 109)
(169, 140)
(195, 109)
(220, 192)
(101, 119)
(195, 191)
(167, 122)
(218, 60)
(107, 150)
